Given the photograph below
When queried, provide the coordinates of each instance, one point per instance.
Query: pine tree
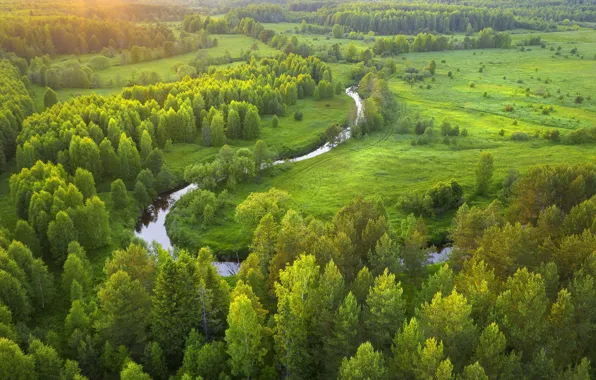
(344, 335)
(385, 310)
(366, 364)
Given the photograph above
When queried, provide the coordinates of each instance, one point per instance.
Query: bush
(502, 132)
(520, 136)
(471, 85)
(275, 122)
(439, 198)
(581, 136)
(579, 99)
(509, 108)
(552, 135)
(298, 115)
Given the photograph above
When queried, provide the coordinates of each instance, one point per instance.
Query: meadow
(386, 164)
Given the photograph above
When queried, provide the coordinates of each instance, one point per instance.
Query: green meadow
(493, 93)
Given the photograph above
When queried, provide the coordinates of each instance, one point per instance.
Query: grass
(386, 164)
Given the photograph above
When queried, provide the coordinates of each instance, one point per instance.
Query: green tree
(404, 348)
(251, 127)
(344, 336)
(48, 364)
(175, 309)
(60, 233)
(202, 360)
(428, 359)
(84, 181)
(93, 224)
(474, 372)
(484, 172)
(234, 130)
(385, 310)
(296, 284)
(130, 160)
(447, 319)
(385, 256)
(84, 153)
(351, 52)
(366, 364)
(520, 311)
(490, 352)
(432, 67)
(244, 338)
(13, 363)
(75, 270)
(218, 137)
(49, 98)
(146, 145)
(154, 361)
(337, 31)
(133, 371)
(24, 233)
(136, 261)
(124, 310)
(118, 194)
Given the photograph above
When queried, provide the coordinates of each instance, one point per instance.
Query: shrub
(439, 198)
(509, 108)
(471, 85)
(275, 121)
(502, 132)
(520, 136)
(298, 115)
(579, 99)
(581, 136)
(552, 135)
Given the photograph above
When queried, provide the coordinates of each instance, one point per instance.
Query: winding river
(151, 226)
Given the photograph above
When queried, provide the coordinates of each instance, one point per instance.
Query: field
(387, 164)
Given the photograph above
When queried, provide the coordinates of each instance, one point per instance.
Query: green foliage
(49, 97)
(13, 363)
(366, 364)
(484, 172)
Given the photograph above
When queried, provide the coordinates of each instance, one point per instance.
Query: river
(151, 226)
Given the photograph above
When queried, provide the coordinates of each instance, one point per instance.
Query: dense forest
(406, 190)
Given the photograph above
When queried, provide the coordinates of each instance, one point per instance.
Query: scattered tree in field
(484, 172)
(49, 97)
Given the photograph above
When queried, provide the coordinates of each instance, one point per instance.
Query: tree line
(117, 136)
(346, 298)
(34, 37)
(15, 105)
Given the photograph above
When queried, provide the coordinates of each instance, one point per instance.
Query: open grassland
(386, 164)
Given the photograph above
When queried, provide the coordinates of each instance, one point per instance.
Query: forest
(298, 190)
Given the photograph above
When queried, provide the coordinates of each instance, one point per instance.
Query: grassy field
(386, 164)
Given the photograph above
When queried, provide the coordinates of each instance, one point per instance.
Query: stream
(151, 226)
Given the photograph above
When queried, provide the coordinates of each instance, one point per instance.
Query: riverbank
(152, 223)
